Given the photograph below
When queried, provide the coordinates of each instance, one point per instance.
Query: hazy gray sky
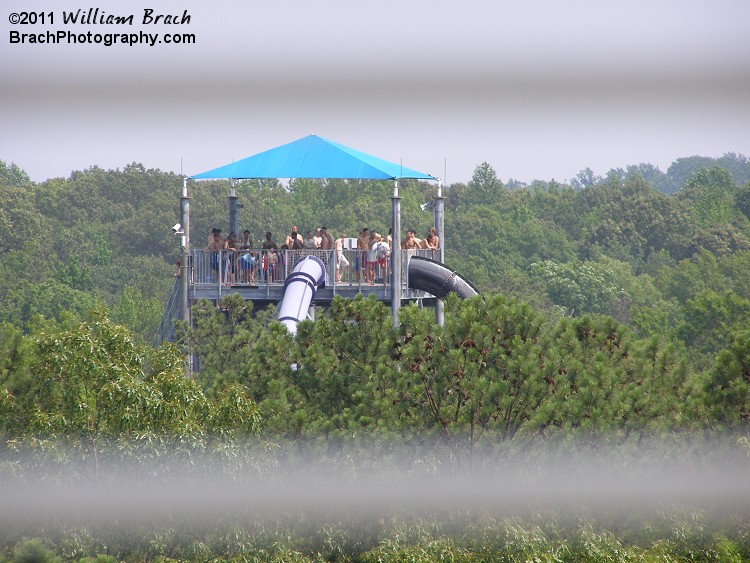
(539, 89)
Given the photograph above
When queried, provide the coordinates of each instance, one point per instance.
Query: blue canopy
(313, 157)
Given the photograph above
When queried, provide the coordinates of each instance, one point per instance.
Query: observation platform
(260, 275)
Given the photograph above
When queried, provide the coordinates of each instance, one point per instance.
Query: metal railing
(271, 267)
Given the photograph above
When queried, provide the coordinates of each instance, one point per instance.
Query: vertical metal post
(184, 252)
(440, 227)
(185, 266)
(396, 253)
(234, 221)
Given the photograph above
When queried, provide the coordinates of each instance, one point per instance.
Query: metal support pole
(440, 228)
(396, 253)
(234, 220)
(184, 252)
(185, 266)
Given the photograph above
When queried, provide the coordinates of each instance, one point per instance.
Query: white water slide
(308, 275)
(300, 286)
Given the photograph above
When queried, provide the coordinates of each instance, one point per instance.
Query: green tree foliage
(683, 168)
(711, 191)
(481, 376)
(33, 551)
(651, 174)
(586, 287)
(142, 315)
(710, 293)
(727, 385)
(719, 240)
(235, 348)
(94, 388)
(494, 242)
(742, 200)
(619, 385)
(74, 276)
(630, 220)
(49, 299)
(711, 318)
(690, 277)
(96, 233)
(585, 179)
(345, 366)
(13, 175)
(20, 222)
(558, 205)
(15, 376)
(604, 286)
(494, 372)
(484, 186)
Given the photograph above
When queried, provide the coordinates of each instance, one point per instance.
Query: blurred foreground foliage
(465, 537)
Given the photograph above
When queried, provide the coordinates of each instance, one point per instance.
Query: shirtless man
(270, 247)
(294, 240)
(269, 243)
(411, 242)
(231, 245)
(432, 241)
(327, 240)
(211, 236)
(363, 245)
(215, 245)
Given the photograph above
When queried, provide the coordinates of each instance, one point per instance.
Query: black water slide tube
(433, 277)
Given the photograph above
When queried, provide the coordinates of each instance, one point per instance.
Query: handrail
(268, 268)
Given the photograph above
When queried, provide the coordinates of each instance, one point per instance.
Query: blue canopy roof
(313, 157)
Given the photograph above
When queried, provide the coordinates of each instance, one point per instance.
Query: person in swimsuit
(360, 258)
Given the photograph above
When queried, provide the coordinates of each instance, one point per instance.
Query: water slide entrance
(439, 280)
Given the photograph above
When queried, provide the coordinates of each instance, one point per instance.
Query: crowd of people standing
(242, 262)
